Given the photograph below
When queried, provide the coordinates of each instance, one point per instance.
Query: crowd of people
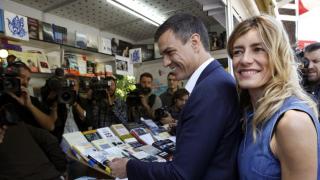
(260, 124)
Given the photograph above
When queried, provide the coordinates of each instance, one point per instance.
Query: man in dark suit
(208, 132)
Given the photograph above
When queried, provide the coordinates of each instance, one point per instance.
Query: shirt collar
(195, 76)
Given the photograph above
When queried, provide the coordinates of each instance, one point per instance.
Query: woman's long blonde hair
(285, 80)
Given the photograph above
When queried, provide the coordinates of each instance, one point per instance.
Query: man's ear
(195, 41)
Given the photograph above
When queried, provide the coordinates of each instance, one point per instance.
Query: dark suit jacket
(208, 133)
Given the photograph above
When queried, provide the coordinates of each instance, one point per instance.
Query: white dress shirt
(195, 76)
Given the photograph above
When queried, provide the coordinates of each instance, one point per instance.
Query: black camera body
(99, 87)
(9, 81)
(133, 97)
(63, 87)
(161, 113)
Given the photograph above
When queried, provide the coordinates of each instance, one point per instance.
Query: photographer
(170, 115)
(27, 106)
(63, 91)
(26, 152)
(107, 108)
(148, 101)
(312, 55)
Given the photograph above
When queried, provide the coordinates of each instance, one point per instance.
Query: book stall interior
(93, 41)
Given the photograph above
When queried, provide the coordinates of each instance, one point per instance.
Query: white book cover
(105, 46)
(70, 139)
(43, 64)
(147, 138)
(135, 55)
(16, 26)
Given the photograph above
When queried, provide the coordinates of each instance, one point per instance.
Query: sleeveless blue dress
(255, 159)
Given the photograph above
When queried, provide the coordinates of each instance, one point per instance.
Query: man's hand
(167, 120)
(24, 98)
(2, 132)
(119, 167)
(144, 101)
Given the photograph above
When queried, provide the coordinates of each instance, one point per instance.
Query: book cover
(120, 131)
(70, 139)
(165, 145)
(16, 26)
(47, 32)
(33, 27)
(105, 46)
(101, 144)
(82, 65)
(142, 135)
(135, 55)
(59, 34)
(84, 149)
(81, 40)
(54, 60)
(1, 21)
(72, 63)
(107, 134)
(43, 63)
(92, 44)
(29, 58)
(91, 135)
(90, 67)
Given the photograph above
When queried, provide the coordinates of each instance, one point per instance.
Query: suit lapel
(211, 67)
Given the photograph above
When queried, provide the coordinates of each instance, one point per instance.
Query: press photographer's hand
(24, 98)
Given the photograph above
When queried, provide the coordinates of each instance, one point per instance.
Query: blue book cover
(1, 21)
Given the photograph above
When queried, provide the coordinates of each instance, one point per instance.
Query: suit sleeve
(203, 124)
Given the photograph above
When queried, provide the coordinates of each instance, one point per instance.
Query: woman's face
(251, 62)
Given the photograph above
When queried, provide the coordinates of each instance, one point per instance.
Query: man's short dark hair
(183, 26)
(19, 64)
(312, 47)
(146, 74)
(179, 94)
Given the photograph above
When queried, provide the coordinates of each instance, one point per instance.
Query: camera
(133, 97)
(99, 87)
(9, 81)
(63, 87)
(303, 64)
(161, 113)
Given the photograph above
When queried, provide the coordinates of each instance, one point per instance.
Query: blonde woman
(281, 124)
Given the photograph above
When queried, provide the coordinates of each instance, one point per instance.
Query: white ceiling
(106, 17)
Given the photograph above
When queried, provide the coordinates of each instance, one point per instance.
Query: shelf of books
(146, 141)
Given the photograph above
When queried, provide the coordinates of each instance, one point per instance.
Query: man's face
(146, 82)
(180, 102)
(24, 77)
(172, 82)
(180, 58)
(314, 65)
(112, 87)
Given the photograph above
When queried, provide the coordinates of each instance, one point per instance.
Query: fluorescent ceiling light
(134, 7)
